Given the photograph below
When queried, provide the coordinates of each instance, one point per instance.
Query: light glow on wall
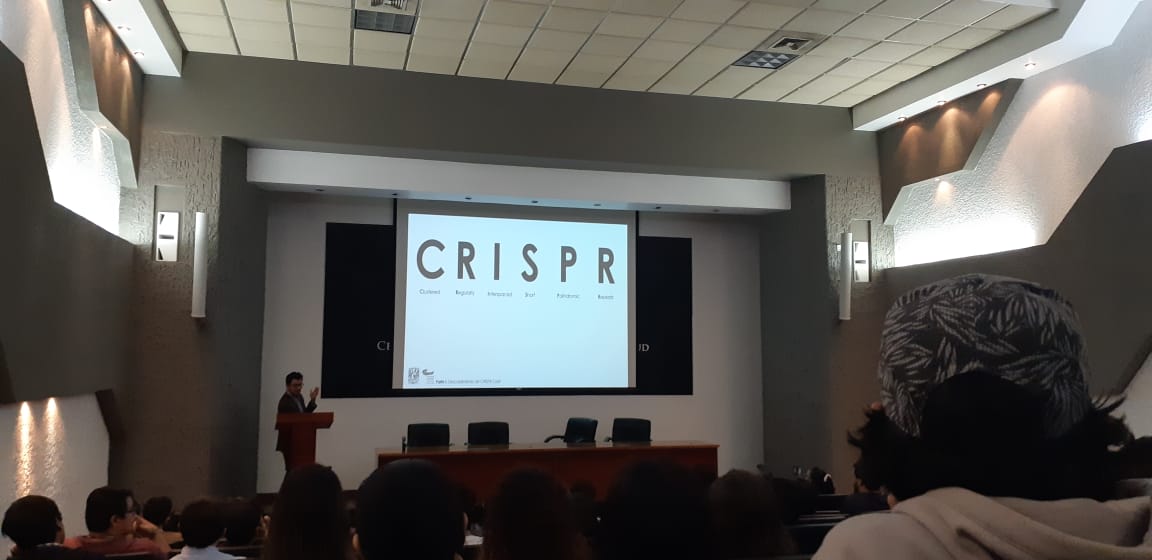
(25, 469)
(982, 237)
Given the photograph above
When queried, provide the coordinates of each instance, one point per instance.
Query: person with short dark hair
(114, 526)
(409, 510)
(202, 525)
(655, 510)
(242, 520)
(309, 518)
(292, 402)
(530, 518)
(987, 435)
(158, 511)
(745, 518)
(36, 528)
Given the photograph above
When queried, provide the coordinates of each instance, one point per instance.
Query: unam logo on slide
(413, 375)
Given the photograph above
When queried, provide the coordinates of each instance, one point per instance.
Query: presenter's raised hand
(315, 392)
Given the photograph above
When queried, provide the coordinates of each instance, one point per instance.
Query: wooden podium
(300, 443)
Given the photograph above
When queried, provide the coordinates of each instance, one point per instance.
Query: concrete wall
(326, 107)
(724, 408)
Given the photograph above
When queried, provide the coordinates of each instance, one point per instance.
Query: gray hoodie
(959, 524)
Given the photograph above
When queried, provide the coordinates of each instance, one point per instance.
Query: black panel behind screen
(360, 306)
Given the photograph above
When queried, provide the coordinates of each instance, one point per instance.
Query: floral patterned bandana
(1010, 328)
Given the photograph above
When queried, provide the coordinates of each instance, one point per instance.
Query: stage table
(481, 468)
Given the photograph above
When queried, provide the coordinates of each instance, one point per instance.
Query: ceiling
(667, 46)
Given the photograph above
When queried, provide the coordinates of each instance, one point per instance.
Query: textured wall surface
(1058, 131)
(80, 159)
(390, 112)
(173, 391)
(56, 448)
(724, 408)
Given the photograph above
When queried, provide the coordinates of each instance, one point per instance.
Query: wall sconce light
(200, 267)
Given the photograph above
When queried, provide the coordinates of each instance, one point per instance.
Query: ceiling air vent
(765, 59)
(780, 49)
(384, 21)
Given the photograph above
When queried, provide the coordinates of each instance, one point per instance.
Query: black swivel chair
(427, 435)
(487, 433)
(631, 430)
(578, 430)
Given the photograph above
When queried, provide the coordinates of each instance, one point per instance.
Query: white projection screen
(493, 297)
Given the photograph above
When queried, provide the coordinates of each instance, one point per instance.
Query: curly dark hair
(986, 434)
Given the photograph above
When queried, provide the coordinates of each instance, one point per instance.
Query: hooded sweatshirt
(960, 524)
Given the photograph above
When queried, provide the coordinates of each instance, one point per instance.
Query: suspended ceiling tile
(329, 3)
(856, 6)
(842, 47)
(378, 59)
(498, 34)
(454, 30)
(901, 72)
(512, 13)
(684, 31)
(663, 50)
(213, 8)
(266, 49)
(1011, 17)
(811, 64)
(874, 27)
(466, 10)
(659, 8)
(200, 24)
(732, 81)
(822, 22)
(890, 52)
(323, 36)
(321, 53)
(696, 68)
(262, 30)
(846, 100)
(432, 64)
(934, 56)
(638, 74)
(540, 65)
(611, 46)
(859, 68)
(211, 44)
(568, 41)
(572, 19)
(628, 25)
(437, 47)
(590, 70)
(765, 16)
(326, 16)
(713, 11)
(912, 9)
(378, 41)
(734, 37)
(870, 87)
(820, 89)
(964, 12)
(970, 38)
(262, 10)
(602, 5)
(925, 33)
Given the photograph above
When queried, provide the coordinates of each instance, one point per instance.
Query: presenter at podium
(292, 402)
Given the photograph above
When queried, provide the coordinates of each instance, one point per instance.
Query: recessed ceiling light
(319, 190)
(138, 54)
(981, 86)
(658, 207)
(467, 198)
(596, 204)
(395, 194)
(535, 202)
(124, 28)
(901, 119)
(1029, 65)
(942, 103)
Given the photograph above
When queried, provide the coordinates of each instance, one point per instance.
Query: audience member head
(582, 498)
(984, 387)
(655, 510)
(241, 521)
(157, 510)
(745, 517)
(201, 523)
(32, 521)
(309, 518)
(530, 518)
(110, 511)
(294, 383)
(821, 480)
(409, 510)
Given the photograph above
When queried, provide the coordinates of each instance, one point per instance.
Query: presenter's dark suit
(290, 404)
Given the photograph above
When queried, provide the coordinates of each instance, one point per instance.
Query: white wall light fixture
(200, 267)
